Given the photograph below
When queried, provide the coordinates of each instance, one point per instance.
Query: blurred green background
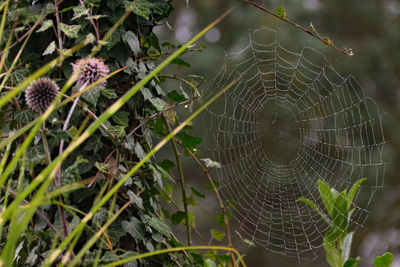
(372, 30)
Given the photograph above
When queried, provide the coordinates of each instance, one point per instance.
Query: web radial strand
(291, 119)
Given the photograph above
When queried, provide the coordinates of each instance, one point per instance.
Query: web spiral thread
(290, 120)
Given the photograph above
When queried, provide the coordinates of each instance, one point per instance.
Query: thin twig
(60, 42)
(327, 42)
(96, 29)
(182, 183)
(221, 204)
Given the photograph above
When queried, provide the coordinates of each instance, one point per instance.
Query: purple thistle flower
(40, 94)
(91, 71)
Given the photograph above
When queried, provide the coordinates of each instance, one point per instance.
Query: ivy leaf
(102, 167)
(383, 261)
(280, 11)
(45, 25)
(70, 30)
(134, 227)
(121, 118)
(131, 39)
(142, 8)
(35, 153)
(139, 151)
(189, 141)
(79, 11)
(158, 225)
(175, 96)
(117, 130)
(101, 216)
(25, 116)
(109, 93)
(92, 96)
(50, 48)
(217, 235)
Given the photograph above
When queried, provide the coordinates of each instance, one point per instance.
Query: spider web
(289, 121)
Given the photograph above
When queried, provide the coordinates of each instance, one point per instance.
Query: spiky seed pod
(92, 70)
(40, 94)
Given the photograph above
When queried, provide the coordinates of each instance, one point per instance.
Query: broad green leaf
(383, 261)
(23, 115)
(209, 263)
(217, 235)
(180, 62)
(326, 196)
(352, 262)
(175, 96)
(178, 217)
(45, 25)
(142, 8)
(280, 11)
(50, 48)
(166, 164)
(109, 93)
(121, 118)
(134, 227)
(70, 30)
(158, 225)
(92, 96)
(139, 151)
(189, 141)
(353, 190)
(315, 208)
(101, 216)
(117, 130)
(131, 39)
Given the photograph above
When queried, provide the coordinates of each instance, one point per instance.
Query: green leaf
(121, 118)
(79, 11)
(339, 218)
(210, 187)
(70, 30)
(315, 208)
(209, 263)
(158, 225)
(326, 196)
(92, 96)
(353, 191)
(101, 216)
(280, 11)
(217, 235)
(220, 218)
(131, 39)
(346, 246)
(383, 261)
(45, 25)
(352, 262)
(109, 93)
(333, 258)
(134, 227)
(166, 165)
(142, 8)
(189, 141)
(177, 217)
(180, 62)
(102, 167)
(35, 153)
(117, 130)
(50, 48)
(139, 151)
(23, 115)
(197, 193)
(175, 96)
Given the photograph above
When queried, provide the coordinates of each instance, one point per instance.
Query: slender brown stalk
(327, 42)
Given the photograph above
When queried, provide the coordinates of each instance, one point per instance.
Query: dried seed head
(92, 70)
(40, 94)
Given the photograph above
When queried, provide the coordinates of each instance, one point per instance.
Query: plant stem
(221, 204)
(182, 182)
(327, 42)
